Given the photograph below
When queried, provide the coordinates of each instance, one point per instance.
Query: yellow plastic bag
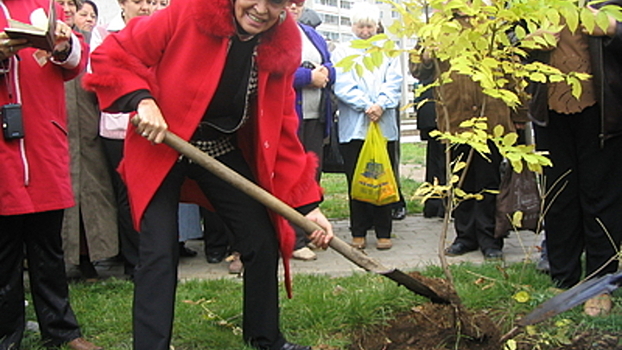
(373, 180)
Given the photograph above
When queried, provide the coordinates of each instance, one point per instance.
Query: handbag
(373, 180)
(517, 192)
(332, 161)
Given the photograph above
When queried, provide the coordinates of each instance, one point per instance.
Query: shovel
(569, 299)
(276, 205)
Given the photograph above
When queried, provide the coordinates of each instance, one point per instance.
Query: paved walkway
(415, 245)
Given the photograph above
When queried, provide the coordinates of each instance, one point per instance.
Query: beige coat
(91, 181)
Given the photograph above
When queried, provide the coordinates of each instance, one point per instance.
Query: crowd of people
(87, 177)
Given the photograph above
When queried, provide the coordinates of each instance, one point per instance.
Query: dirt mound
(433, 326)
(453, 327)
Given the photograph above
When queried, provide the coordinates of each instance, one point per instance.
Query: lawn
(331, 313)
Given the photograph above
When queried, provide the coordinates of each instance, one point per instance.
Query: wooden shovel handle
(271, 202)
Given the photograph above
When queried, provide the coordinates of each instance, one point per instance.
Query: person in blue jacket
(313, 83)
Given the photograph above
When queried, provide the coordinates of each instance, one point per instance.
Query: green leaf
(602, 21)
(520, 32)
(572, 18)
(510, 345)
(576, 87)
(498, 130)
(538, 77)
(359, 70)
(368, 63)
(587, 19)
(360, 44)
(510, 139)
(522, 297)
(517, 219)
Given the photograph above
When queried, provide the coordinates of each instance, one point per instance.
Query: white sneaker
(304, 254)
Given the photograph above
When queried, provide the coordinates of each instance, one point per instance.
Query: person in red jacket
(217, 73)
(35, 186)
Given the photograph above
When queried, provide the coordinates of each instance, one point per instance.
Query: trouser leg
(435, 170)
(363, 215)
(475, 219)
(48, 280)
(12, 318)
(216, 234)
(588, 193)
(255, 239)
(128, 236)
(155, 278)
(312, 137)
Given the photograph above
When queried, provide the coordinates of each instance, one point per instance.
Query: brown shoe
(304, 254)
(235, 264)
(358, 242)
(82, 344)
(384, 244)
(598, 306)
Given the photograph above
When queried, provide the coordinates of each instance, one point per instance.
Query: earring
(282, 16)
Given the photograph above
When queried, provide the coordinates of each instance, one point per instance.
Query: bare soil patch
(454, 327)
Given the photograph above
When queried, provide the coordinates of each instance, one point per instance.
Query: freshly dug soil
(433, 326)
(453, 327)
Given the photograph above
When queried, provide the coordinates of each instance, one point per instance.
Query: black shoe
(214, 257)
(292, 346)
(493, 254)
(398, 213)
(458, 248)
(87, 270)
(186, 252)
(543, 265)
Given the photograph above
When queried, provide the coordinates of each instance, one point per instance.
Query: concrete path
(415, 245)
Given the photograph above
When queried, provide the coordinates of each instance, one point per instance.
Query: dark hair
(93, 5)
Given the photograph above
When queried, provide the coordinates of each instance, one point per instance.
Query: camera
(308, 65)
(12, 123)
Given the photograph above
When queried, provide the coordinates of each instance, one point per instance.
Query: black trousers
(589, 193)
(311, 134)
(39, 236)
(217, 237)
(128, 237)
(434, 169)
(364, 216)
(474, 220)
(156, 274)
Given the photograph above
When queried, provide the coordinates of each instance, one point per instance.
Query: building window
(346, 4)
(345, 21)
(331, 19)
(332, 3)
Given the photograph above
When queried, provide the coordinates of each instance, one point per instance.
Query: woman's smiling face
(257, 16)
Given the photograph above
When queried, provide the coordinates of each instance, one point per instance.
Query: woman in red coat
(218, 73)
(36, 186)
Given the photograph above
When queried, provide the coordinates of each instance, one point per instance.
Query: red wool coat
(35, 170)
(179, 54)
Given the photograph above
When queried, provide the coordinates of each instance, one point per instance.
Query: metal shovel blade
(573, 297)
(276, 205)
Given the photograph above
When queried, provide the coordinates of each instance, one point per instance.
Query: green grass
(324, 311)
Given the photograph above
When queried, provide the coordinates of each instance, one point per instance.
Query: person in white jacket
(370, 97)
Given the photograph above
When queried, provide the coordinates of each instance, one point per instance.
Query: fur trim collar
(279, 49)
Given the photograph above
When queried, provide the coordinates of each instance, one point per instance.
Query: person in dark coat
(583, 138)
